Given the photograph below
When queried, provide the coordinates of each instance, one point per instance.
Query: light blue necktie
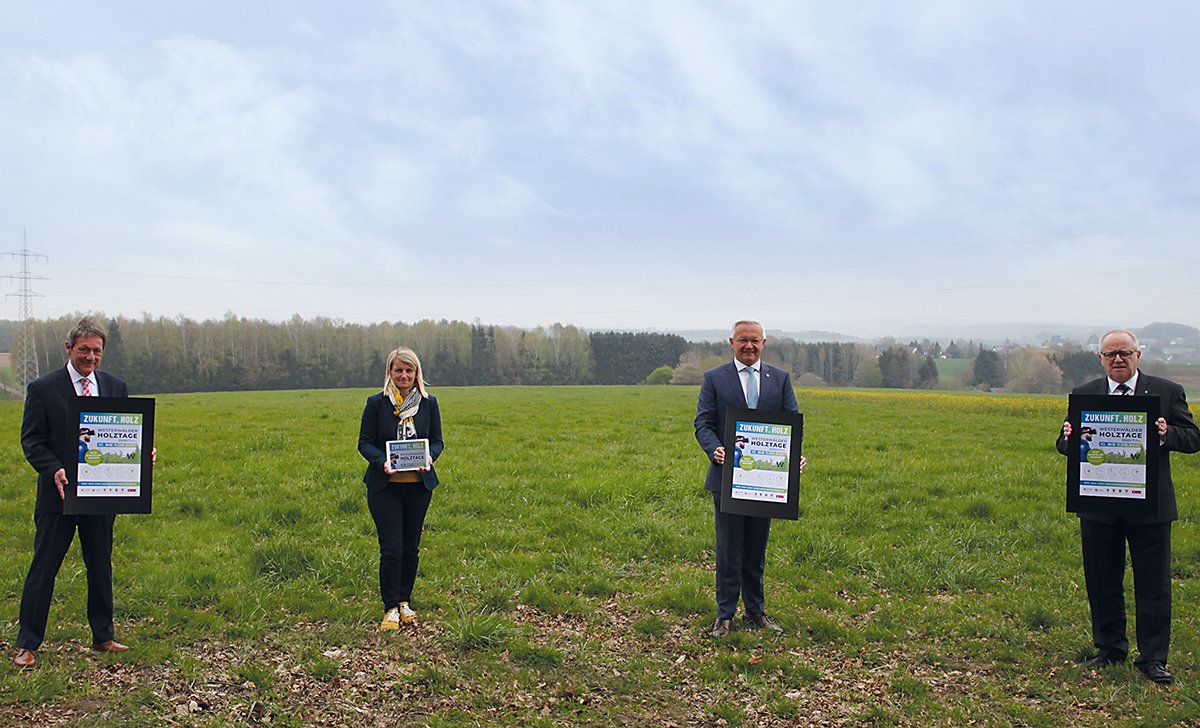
(751, 389)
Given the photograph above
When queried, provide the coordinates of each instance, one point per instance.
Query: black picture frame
(81, 413)
(1080, 501)
(789, 510)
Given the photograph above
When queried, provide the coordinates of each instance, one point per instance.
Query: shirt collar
(1132, 383)
(76, 376)
(742, 367)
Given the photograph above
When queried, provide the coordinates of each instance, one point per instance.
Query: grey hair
(86, 327)
(733, 330)
(1130, 334)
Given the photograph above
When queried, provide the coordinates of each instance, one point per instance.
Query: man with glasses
(741, 540)
(1149, 538)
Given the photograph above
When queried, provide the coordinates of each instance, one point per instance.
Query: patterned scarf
(405, 411)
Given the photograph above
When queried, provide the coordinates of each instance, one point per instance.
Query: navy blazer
(44, 429)
(722, 388)
(1182, 436)
(379, 423)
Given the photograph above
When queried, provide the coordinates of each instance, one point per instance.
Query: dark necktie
(1123, 389)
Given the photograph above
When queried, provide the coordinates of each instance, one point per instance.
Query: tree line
(238, 353)
(234, 353)
(1032, 371)
(888, 364)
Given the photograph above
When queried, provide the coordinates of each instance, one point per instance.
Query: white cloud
(869, 152)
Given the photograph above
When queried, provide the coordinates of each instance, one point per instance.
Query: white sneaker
(391, 620)
(406, 613)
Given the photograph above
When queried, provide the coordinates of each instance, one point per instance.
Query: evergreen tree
(927, 375)
(1078, 367)
(114, 351)
(987, 369)
(893, 366)
(623, 358)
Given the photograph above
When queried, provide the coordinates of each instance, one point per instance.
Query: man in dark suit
(741, 540)
(1149, 538)
(48, 449)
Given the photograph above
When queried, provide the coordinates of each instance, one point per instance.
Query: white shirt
(76, 376)
(1132, 384)
(744, 376)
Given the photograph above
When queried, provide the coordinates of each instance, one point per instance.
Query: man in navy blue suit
(741, 540)
(49, 449)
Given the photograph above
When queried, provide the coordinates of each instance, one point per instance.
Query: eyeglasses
(1122, 353)
(749, 341)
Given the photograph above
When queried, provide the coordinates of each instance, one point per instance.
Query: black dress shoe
(722, 628)
(1156, 672)
(762, 621)
(1099, 661)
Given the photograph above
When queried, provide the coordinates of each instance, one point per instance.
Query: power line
(26, 364)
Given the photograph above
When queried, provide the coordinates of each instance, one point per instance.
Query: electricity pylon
(25, 364)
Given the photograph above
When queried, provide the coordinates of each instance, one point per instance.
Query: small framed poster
(761, 473)
(113, 473)
(1113, 455)
(408, 454)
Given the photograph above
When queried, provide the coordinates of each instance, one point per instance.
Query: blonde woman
(399, 499)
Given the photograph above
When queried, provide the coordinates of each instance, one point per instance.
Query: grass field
(1186, 374)
(933, 577)
(951, 368)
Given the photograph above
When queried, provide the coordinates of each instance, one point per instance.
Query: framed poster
(407, 454)
(112, 473)
(1113, 455)
(761, 474)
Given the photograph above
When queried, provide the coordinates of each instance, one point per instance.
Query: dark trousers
(1104, 573)
(55, 532)
(741, 560)
(399, 513)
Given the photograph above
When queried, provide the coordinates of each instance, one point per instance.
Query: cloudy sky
(857, 167)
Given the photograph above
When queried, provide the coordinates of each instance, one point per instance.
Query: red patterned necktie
(85, 386)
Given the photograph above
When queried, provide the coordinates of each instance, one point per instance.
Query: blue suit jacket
(722, 388)
(379, 424)
(1182, 436)
(44, 429)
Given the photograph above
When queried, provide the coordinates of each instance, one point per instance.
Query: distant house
(5, 359)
